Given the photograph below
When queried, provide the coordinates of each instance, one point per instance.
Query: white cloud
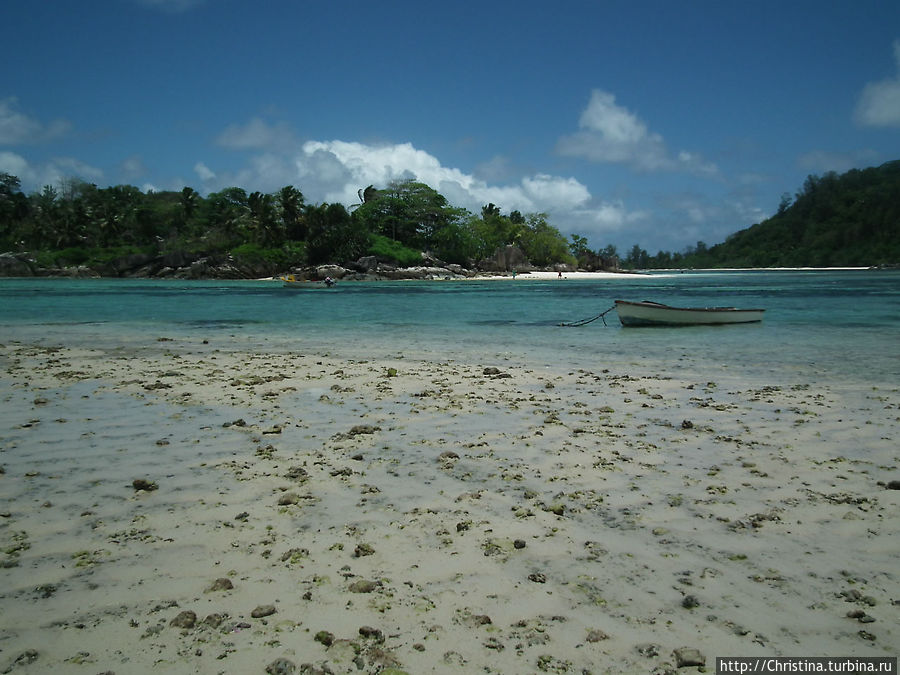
(696, 164)
(257, 135)
(16, 165)
(333, 171)
(69, 167)
(879, 103)
(496, 168)
(133, 167)
(610, 217)
(553, 192)
(337, 169)
(611, 133)
(821, 161)
(380, 164)
(52, 172)
(204, 172)
(17, 128)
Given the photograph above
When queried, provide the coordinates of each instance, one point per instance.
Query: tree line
(79, 220)
(833, 220)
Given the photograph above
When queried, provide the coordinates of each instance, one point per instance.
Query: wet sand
(186, 508)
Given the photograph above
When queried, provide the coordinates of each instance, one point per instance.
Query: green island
(852, 219)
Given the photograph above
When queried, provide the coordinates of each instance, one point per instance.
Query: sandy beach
(189, 508)
(540, 275)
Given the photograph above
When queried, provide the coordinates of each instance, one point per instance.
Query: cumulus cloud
(879, 103)
(334, 171)
(611, 133)
(341, 168)
(16, 128)
(554, 192)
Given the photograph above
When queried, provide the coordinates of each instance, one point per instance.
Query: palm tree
(263, 225)
(290, 199)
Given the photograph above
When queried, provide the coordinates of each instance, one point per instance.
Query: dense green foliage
(82, 224)
(391, 250)
(833, 221)
(847, 220)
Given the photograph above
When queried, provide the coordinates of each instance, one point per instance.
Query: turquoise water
(843, 323)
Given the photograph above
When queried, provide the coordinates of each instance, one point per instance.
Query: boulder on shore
(13, 265)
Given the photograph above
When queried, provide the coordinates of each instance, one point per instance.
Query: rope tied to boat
(585, 322)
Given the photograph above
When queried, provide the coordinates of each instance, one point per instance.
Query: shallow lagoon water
(819, 321)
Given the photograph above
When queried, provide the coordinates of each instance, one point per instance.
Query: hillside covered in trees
(847, 220)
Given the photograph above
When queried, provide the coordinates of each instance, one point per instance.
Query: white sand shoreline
(466, 516)
(543, 275)
(555, 276)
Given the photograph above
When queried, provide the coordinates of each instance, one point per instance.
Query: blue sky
(658, 123)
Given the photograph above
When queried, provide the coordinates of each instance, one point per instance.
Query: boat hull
(655, 314)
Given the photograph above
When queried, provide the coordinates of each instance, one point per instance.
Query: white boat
(656, 314)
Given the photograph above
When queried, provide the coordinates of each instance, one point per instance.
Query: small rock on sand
(362, 550)
(263, 611)
(27, 657)
(324, 637)
(363, 586)
(370, 633)
(297, 473)
(281, 667)
(647, 649)
(289, 499)
(144, 484)
(688, 656)
(186, 620)
(214, 620)
(220, 584)
(360, 429)
(596, 635)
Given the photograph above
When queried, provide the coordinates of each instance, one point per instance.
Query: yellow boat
(290, 281)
